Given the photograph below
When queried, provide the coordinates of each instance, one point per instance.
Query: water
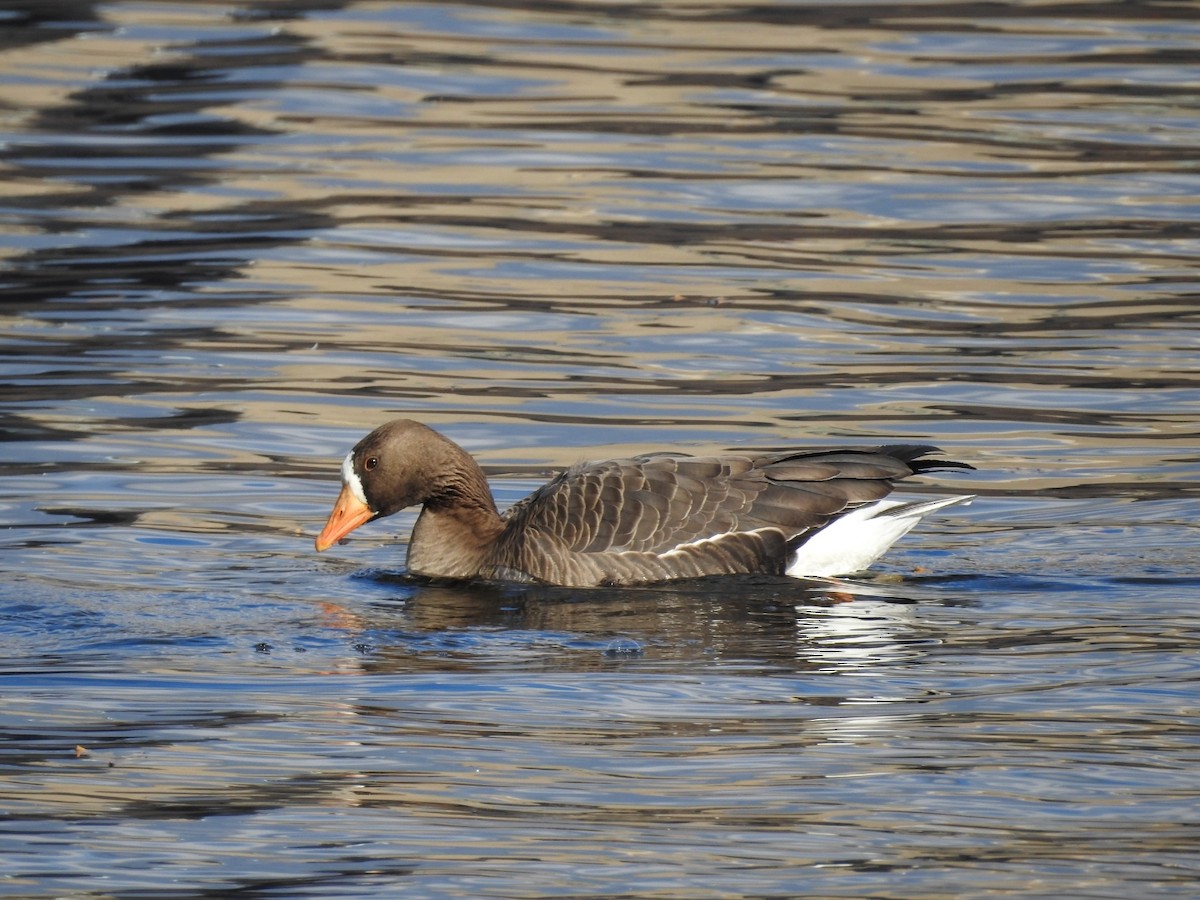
(237, 236)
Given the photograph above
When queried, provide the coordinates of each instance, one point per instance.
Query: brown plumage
(627, 521)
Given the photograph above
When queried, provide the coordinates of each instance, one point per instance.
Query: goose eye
(372, 462)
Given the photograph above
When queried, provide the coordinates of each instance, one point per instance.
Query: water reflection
(744, 624)
(861, 634)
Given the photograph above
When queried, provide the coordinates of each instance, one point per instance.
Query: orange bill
(348, 513)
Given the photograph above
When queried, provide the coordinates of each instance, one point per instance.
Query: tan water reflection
(772, 223)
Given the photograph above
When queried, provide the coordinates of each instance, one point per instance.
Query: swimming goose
(654, 518)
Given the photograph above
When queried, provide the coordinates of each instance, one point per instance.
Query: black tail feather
(912, 453)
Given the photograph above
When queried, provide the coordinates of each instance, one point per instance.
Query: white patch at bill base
(351, 479)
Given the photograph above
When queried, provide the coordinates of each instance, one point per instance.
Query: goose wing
(656, 504)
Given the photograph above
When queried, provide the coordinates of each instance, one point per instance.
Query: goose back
(668, 516)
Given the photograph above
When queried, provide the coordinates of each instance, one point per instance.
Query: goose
(655, 518)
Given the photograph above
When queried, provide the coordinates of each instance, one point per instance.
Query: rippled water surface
(236, 236)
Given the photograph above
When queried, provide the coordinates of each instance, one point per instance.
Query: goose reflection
(856, 633)
(753, 624)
